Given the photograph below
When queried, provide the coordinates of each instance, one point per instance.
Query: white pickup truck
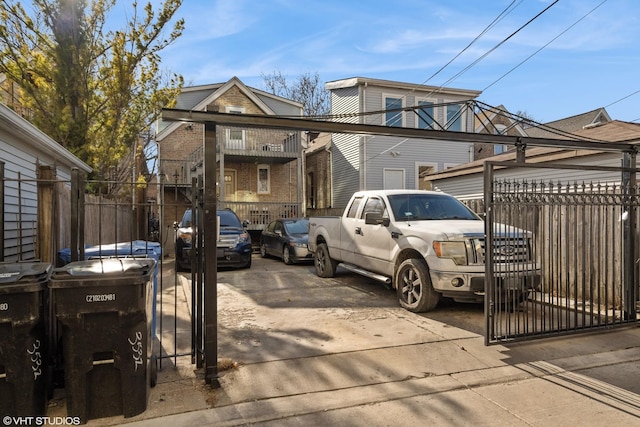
(425, 244)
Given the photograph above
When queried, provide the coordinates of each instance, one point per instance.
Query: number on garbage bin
(36, 359)
(136, 347)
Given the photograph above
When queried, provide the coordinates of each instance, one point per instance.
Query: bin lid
(107, 268)
(23, 276)
(136, 248)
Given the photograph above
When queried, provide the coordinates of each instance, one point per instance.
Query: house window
(454, 117)
(426, 117)
(393, 118)
(498, 149)
(264, 179)
(235, 136)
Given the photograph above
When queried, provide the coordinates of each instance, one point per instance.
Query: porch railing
(260, 214)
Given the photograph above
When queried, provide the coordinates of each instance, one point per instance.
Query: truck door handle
(395, 234)
(358, 230)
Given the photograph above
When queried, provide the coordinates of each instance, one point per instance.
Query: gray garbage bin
(23, 338)
(103, 312)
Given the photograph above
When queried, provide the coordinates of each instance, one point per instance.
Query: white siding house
(377, 162)
(23, 148)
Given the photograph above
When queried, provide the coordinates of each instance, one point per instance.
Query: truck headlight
(457, 251)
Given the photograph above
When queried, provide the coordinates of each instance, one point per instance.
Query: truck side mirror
(375, 218)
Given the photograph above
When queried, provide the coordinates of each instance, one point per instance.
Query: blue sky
(590, 60)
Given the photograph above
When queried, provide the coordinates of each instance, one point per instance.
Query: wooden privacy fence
(37, 220)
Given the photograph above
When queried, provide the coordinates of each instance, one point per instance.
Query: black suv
(233, 246)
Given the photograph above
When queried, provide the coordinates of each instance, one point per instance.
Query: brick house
(495, 121)
(318, 176)
(261, 169)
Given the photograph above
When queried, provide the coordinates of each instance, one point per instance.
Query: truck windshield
(416, 207)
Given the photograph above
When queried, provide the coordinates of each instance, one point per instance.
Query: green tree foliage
(93, 90)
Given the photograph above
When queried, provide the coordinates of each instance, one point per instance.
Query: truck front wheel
(413, 286)
(325, 266)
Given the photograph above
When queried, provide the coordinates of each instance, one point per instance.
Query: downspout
(328, 149)
(363, 139)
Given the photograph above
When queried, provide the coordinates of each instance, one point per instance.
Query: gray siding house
(466, 181)
(380, 162)
(23, 149)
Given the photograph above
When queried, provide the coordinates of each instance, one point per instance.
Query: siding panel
(472, 186)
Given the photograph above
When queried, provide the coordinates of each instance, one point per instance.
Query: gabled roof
(570, 124)
(613, 131)
(487, 117)
(322, 141)
(196, 98)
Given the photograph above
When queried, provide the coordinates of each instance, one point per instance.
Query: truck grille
(505, 250)
(228, 241)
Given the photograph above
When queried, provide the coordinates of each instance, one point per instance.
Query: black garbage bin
(23, 338)
(103, 318)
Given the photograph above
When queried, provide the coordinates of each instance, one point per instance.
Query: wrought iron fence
(581, 238)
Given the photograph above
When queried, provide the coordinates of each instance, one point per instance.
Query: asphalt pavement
(302, 350)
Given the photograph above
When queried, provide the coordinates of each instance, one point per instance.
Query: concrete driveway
(340, 351)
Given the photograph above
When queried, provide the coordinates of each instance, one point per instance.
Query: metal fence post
(488, 252)
(211, 263)
(630, 227)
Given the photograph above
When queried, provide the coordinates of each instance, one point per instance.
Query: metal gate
(580, 238)
(63, 220)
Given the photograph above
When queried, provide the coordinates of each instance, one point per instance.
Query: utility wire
(493, 23)
(464, 70)
(544, 46)
(622, 99)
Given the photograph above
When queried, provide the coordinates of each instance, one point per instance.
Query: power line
(468, 67)
(493, 23)
(622, 99)
(544, 46)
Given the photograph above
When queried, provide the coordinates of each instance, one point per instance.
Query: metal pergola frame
(213, 119)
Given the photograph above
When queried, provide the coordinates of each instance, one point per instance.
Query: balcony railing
(261, 142)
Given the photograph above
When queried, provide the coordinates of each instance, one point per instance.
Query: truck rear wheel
(325, 266)
(413, 286)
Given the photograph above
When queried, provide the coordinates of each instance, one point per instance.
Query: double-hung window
(393, 111)
(425, 115)
(454, 117)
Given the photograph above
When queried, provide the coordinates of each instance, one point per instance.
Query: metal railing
(583, 240)
(260, 214)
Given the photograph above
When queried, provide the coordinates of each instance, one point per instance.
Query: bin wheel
(153, 380)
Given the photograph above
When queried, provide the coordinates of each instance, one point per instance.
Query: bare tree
(525, 119)
(307, 89)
